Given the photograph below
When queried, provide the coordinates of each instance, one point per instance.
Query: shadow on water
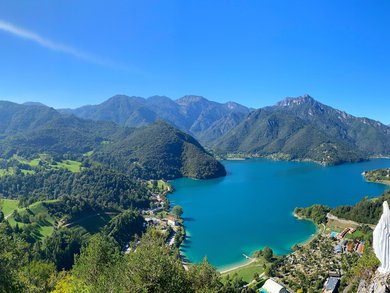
(189, 219)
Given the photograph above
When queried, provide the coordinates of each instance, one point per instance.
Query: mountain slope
(155, 151)
(302, 128)
(192, 114)
(369, 136)
(162, 152)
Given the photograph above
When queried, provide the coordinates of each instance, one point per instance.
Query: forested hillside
(298, 128)
(155, 151)
(192, 114)
(302, 128)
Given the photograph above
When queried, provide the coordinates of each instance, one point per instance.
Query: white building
(271, 286)
(172, 221)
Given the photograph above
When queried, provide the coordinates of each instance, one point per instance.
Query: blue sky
(71, 53)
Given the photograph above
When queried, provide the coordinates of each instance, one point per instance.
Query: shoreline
(312, 236)
(319, 229)
(287, 158)
(248, 262)
(235, 267)
(252, 260)
(384, 182)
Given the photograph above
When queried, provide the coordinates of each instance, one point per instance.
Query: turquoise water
(252, 206)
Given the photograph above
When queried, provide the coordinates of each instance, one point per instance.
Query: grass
(25, 172)
(92, 223)
(8, 171)
(72, 166)
(8, 206)
(247, 272)
(45, 226)
(162, 185)
(32, 163)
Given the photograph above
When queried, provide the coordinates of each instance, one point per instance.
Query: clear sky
(68, 53)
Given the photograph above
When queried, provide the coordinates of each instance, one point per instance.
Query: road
(347, 222)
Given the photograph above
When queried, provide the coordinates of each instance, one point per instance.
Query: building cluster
(346, 245)
(158, 206)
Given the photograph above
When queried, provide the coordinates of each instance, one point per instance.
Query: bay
(252, 207)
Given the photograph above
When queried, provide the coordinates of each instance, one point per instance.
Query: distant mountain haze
(295, 128)
(192, 114)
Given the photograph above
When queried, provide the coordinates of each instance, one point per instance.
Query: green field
(72, 166)
(45, 226)
(247, 272)
(8, 206)
(8, 171)
(92, 223)
(32, 163)
(161, 185)
(88, 154)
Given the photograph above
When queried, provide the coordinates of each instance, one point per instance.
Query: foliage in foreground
(152, 267)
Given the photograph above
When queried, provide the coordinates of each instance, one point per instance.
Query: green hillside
(36, 214)
(160, 151)
(156, 151)
(267, 132)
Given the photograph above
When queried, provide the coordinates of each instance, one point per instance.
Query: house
(331, 285)
(172, 221)
(338, 249)
(342, 234)
(360, 248)
(344, 243)
(271, 286)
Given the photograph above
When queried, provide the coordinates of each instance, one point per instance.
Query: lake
(252, 206)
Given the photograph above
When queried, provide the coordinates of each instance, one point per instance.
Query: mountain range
(303, 128)
(157, 150)
(204, 119)
(298, 128)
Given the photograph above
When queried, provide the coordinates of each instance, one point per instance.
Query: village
(319, 265)
(157, 216)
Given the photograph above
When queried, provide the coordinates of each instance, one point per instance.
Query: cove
(252, 206)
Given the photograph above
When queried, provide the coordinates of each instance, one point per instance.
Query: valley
(66, 181)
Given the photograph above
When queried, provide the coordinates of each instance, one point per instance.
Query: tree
(177, 211)
(203, 277)
(62, 245)
(1, 212)
(13, 256)
(95, 265)
(268, 253)
(38, 276)
(154, 267)
(125, 226)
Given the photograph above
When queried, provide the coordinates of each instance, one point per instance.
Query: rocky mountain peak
(190, 99)
(123, 99)
(296, 101)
